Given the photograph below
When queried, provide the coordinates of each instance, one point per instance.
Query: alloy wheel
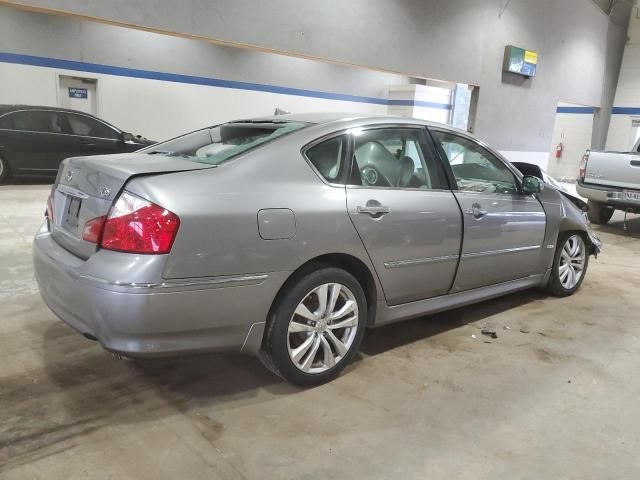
(572, 261)
(323, 328)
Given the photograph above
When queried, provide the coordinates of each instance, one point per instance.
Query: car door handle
(476, 211)
(82, 141)
(373, 208)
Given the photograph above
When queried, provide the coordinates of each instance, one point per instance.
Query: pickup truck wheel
(316, 327)
(4, 170)
(569, 264)
(599, 213)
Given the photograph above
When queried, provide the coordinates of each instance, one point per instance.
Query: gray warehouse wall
(456, 40)
(68, 38)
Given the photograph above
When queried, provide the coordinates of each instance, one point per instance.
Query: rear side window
(89, 127)
(328, 158)
(218, 144)
(393, 157)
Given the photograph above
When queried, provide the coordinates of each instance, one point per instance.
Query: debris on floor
(525, 330)
(489, 330)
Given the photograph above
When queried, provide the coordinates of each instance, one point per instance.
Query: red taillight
(93, 230)
(583, 165)
(136, 225)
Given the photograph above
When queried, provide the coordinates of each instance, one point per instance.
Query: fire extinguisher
(559, 148)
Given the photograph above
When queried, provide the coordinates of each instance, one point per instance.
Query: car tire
(566, 264)
(5, 171)
(599, 213)
(303, 343)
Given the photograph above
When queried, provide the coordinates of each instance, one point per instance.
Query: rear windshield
(215, 145)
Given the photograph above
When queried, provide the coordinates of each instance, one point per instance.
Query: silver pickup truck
(610, 181)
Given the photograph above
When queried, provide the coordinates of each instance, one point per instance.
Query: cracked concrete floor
(423, 400)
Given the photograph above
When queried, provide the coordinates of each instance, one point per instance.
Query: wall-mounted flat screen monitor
(521, 61)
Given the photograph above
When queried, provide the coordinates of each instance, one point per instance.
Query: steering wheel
(371, 176)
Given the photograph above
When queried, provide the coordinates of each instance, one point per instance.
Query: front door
(408, 220)
(503, 228)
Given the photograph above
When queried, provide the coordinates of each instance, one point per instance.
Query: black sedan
(34, 140)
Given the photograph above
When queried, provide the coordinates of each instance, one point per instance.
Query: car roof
(13, 108)
(325, 118)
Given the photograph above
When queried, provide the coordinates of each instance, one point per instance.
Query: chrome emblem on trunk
(69, 176)
(104, 191)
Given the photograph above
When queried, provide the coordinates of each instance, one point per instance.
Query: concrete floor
(423, 400)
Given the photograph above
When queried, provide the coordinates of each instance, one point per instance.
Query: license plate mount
(70, 217)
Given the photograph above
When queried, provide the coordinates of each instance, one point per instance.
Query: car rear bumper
(612, 196)
(158, 317)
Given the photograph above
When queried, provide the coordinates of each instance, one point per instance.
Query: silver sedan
(289, 236)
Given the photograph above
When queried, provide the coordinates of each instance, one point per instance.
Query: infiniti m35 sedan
(288, 236)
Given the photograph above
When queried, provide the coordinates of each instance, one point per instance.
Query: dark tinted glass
(37, 121)
(88, 127)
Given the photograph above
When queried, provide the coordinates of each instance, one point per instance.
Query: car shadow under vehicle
(80, 388)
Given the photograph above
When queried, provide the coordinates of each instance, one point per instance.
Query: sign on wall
(521, 61)
(75, 92)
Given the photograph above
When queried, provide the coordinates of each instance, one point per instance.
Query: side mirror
(531, 185)
(127, 137)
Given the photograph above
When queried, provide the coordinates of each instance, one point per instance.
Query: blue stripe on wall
(626, 110)
(195, 80)
(583, 110)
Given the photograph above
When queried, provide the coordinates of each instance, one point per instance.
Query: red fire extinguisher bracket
(559, 149)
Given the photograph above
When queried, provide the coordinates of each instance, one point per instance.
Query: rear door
(93, 137)
(409, 221)
(503, 229)
(35, 141)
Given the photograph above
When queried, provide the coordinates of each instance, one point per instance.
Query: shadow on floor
(616, 226)
(80, 388)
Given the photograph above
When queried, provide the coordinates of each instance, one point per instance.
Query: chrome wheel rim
(322, 328)
(572, 261)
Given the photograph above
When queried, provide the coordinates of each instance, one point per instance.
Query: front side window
(327, 157)
(218, 144)
(88, 127)
(392, 157)
(474, 167)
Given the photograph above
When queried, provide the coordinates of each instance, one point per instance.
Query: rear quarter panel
(218, 210)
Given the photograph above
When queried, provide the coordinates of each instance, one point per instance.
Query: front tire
(599, 213)
(316, 326)
(569, 264)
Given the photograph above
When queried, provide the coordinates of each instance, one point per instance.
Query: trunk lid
(616, 169)
(86, 187)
